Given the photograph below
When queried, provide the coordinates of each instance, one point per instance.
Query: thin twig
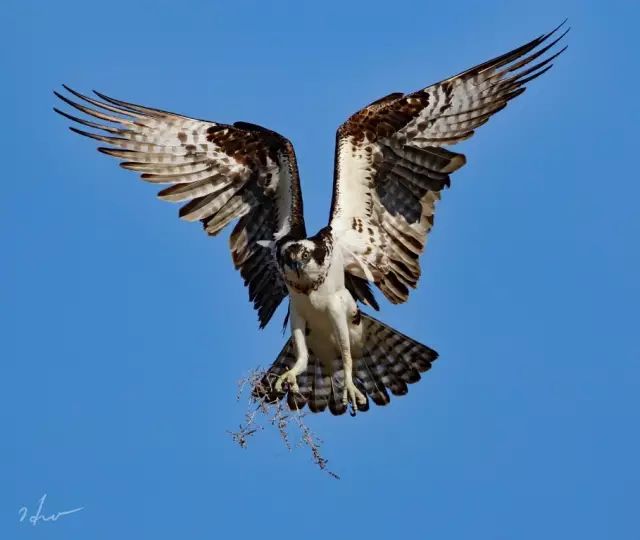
(261, 412)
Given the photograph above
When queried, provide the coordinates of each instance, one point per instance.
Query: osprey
(391, 165)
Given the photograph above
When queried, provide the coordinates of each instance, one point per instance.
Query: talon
(352, 396)
(352, 410)
(288, 378)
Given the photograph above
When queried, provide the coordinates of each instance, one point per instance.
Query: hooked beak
(296, 266)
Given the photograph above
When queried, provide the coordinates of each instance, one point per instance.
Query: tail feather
(389, 361)
(321, 386)
(372, 382)
(377, 355)
(336, 406)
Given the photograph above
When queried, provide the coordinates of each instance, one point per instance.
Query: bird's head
(304, 260)
(297, 256)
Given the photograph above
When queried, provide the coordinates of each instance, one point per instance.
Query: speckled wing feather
(224, 172)
(391, 164)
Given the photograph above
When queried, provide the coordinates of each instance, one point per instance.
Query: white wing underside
(223, 172)
(392, 164)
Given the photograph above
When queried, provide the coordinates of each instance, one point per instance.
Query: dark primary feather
(360, 289)
(391, 166)
(222, 173)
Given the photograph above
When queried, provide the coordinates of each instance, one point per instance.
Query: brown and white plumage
(389, 361)
(224, 172)
(392, 164)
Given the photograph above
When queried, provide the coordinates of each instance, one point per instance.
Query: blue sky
(125, 329)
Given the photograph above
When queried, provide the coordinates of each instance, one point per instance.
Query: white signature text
(40, 514)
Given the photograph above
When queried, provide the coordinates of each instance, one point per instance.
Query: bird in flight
(392, 163)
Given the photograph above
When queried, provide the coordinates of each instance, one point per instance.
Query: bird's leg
(298, 327)
(350, 394)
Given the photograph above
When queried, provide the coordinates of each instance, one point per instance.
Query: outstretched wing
(391, 164)
(225, 172)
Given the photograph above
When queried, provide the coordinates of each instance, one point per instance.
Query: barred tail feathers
(389, 362)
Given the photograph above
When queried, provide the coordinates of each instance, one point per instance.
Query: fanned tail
(389, 362)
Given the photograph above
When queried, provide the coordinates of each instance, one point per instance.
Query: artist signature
(39, 516)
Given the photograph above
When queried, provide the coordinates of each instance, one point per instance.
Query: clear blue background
(124, 329)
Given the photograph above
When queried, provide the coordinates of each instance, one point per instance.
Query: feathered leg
(340, 313)
(298, 327)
